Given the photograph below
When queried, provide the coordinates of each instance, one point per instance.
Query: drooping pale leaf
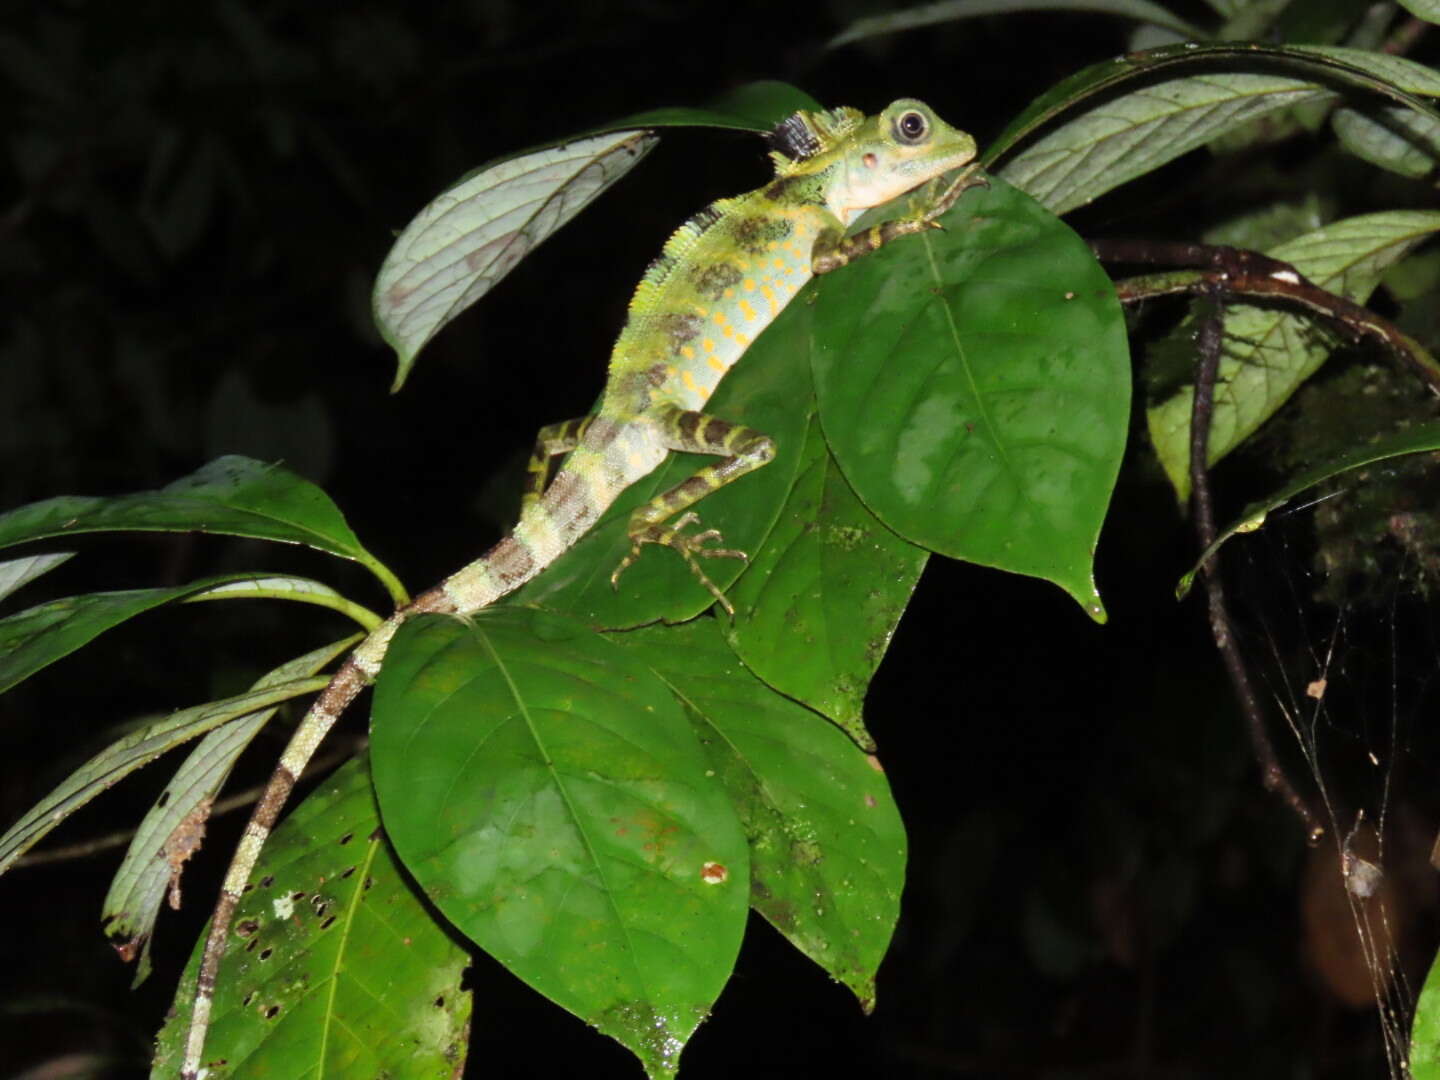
(1418, 439)
(549, 795)
(766, 391)
(821, 598)
(121, 758)
(35, 638)
(827, 847)
(174, 828)
(473, 234)
(288, 587)
(974, 387)
(950, 10)
(15, 573)
(1268, 353)
(335, 965)
(233, 495)
(1429, 10)
(1124, 135)
(1398, 139)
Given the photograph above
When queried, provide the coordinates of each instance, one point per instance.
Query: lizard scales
(722, 277)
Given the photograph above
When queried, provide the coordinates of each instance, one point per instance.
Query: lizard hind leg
(741, 449)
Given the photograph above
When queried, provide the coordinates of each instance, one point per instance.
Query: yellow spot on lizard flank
(729, 294)
(701, 311)
(769, 295)
(744, 340)
(719, 319)
(715, 362)
(708, 344)
(779, 264)
(687, 352)
(771, 246)
(670, 370)
(689, 381)
(747, 310)
(742, 264)
(749, 284)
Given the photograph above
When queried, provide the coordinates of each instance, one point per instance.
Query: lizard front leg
(742, 450)
(833, 250)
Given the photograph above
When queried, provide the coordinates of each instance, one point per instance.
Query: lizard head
(865, 161)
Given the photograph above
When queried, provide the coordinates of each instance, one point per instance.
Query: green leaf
(33, 639)
(1418, 439)
(336, 967)
(827, 847)
(1397, 139)
(233, 495)
(288, 587)
(121, 758)
(1429, 10)
(1124, 135)
(951, 10)
(762, 391)
(474, 233)
(974, 387)
(175, 826)
(16, 573)
(1425, 1034)
(547, 792)
(1268, 353)
(822, 596)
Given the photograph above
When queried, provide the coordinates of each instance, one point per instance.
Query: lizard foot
(690, 548)
(969, 177)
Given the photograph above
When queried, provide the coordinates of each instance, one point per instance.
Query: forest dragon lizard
(721, 278)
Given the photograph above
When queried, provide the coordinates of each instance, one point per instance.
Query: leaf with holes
(175, 826)
(335, 966)
(549, 795)
(827, 847)
(821, 597)
(974, 386)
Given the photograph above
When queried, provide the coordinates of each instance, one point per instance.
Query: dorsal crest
(803, 135)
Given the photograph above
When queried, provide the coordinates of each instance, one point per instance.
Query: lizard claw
(688, 547)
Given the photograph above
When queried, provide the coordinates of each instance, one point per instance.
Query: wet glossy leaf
(121, 758)
(974, 387)
(1268, 353)
(175, 826)
(336, 967)
(822, 596)
(827, 847)
(549, 795)
(233, 495)
(1400, 140)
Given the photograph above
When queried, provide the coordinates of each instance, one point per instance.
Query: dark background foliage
(195, 199)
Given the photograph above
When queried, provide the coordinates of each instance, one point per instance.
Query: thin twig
(1202, 410)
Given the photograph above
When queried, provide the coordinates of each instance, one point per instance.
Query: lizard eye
(911, 127)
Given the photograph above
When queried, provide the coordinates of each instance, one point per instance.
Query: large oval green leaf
(975, 386)
(336, 967)
(549, 795)
(827, 847)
